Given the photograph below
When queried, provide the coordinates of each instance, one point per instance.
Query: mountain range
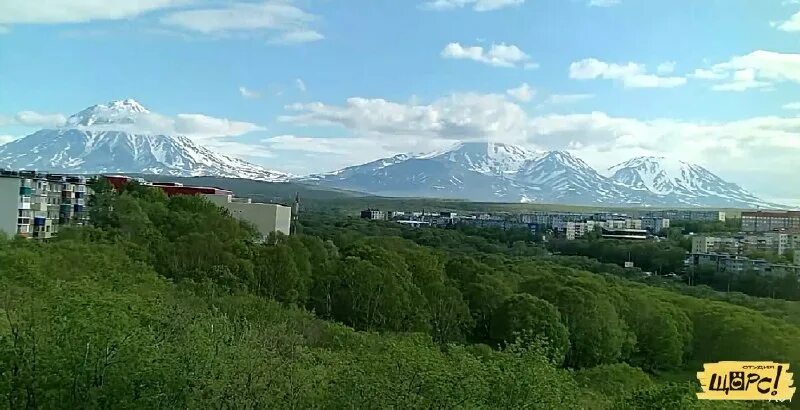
(496, 172)
(98, 140)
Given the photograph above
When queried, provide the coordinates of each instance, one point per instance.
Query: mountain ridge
(497, 172)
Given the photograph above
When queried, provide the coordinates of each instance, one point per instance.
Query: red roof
(170, 188)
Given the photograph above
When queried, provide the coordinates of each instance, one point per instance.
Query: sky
(309, 86)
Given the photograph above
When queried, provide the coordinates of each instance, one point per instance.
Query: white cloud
(631, 75)
(523, 93)
(33, 119)
(301, 85)
(456, 117)
(477, 5)
(603, 3)
(77, 11)
(759, 69)
(704, 74)
(248, 93)
(792, 106)
(204, 126)
(735, 149)
(792, 24)
(284, 21)
(498, 55)
(666, 67)
(296, 37)
(196, 126)
(557, 99)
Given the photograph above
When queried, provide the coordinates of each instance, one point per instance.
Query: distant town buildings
(373, 214)
(35, 205)
(765, 221)
(774, 242)
(685, 215)
(724, 262)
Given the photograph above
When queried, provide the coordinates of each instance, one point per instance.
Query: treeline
(169, 302)
(657, 257)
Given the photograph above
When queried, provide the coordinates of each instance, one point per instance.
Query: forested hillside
(170, 303)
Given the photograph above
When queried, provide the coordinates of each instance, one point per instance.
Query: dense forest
(171, 303)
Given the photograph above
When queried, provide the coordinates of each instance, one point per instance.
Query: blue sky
(328, 83)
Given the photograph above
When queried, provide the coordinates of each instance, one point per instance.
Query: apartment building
(723, 262)
(267, 218)
(574, 230)
(685, 215)
(715, 244)
(655, 225)
(775, 242)
(373, 214)
(765, 221)
(34, 205)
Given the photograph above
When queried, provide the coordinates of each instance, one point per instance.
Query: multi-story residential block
(764, 221)
(267, 218)
(775, 242)
(686, 215)
(724, 262)
(574, 230)
(373, 214)
(709, 244)
(655, 225)
(38, 204)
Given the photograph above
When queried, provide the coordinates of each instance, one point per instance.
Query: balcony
(22, 205)
(25, 190)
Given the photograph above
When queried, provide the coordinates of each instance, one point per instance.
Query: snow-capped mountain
(486, 158)
(561, 177)
(96, 140)
(494, 172)
(681, 182)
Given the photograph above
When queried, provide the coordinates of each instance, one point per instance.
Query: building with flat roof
(624, 233)
(764, 221)
(373, 214)
(34, 205)
(267, 218)
(686, 215)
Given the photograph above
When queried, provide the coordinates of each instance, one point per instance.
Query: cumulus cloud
(631, 75)
(248, 93)
(523, 93)
(33, 119)
(498, 55)
(792, 24)
(666, 67)
(735, 149)
(477, 5)
(282, 20)
(759, 69)
(557, 99)
(77, 11)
